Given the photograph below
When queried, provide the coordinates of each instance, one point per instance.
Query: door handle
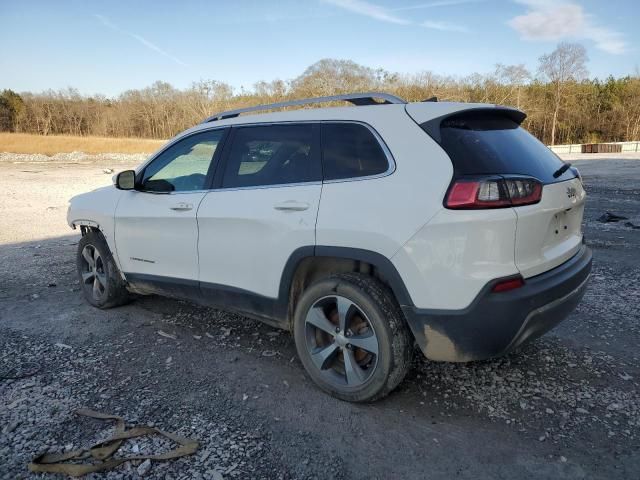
(182, 207)
(291, 205)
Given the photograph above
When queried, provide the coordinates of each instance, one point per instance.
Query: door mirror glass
(126, 180)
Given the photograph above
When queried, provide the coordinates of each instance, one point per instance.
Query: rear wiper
(561, 170)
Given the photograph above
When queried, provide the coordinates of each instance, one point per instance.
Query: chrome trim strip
(262, 187)
(390, 160)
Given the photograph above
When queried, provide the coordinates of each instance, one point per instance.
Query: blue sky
(108, 47)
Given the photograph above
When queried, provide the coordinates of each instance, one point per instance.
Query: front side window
(351, 150)
(183, 166)
(272, 155)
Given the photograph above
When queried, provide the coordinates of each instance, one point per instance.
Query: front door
(156, 230)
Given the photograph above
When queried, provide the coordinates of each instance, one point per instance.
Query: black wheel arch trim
(382, 264)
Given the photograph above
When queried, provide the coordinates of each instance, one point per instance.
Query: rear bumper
(496, 323)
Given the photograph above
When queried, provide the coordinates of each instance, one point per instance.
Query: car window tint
(184, 165)
(272, 155)
(485, 144)
(351, 150)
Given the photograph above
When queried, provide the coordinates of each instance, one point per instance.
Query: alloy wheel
(341, 341)
(94, 277)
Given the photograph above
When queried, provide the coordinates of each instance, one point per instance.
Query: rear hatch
(550, 232)
(488, 143)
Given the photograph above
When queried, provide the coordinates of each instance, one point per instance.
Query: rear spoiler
(432, 127)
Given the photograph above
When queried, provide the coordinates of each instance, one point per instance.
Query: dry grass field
(52, 144)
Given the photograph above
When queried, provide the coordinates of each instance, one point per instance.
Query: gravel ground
(565, 406)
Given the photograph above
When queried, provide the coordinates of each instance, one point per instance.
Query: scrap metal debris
(608, 217)
(103, 452)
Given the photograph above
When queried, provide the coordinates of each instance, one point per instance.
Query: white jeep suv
(361, 229)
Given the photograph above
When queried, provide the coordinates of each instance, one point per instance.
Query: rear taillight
(494, 192)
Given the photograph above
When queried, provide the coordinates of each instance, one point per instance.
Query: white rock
(144, 467)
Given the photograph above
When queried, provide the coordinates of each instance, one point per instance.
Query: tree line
(563, 105)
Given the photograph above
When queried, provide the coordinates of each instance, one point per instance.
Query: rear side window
(272, 155)
(351, 150)
(480, 144)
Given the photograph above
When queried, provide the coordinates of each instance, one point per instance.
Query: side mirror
(126, 180)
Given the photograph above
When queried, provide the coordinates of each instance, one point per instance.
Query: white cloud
(548, 20)
(444, 26)
(371, 10)
(378, 12)
(151, 46)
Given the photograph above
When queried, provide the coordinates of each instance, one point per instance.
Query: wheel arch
(92, 226)
(309, 263)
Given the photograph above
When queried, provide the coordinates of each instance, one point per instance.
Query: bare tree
(513, 76)
(561, 105)
(331, 76)
(564, 65)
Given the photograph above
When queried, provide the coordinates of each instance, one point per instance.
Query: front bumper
(496, 323)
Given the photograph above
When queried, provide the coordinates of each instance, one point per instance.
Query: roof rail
(358, 99)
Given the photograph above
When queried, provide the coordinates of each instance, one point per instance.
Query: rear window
(351, 150)
(272, 155)
(480, 144)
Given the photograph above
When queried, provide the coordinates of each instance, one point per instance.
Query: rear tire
(352, 338)
(100, 279)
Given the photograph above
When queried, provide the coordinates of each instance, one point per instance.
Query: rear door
(547, 233)
(263, 208)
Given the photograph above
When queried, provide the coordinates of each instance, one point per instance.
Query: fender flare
(383, 265)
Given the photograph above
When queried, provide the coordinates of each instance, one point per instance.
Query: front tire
(100, 279)
(352, 338)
